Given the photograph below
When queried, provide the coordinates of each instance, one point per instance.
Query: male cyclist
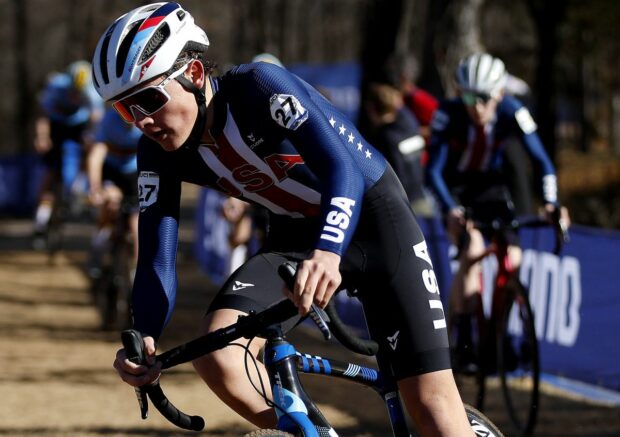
(261, 134)
(113, 181)
(464, 170)
(70, 107)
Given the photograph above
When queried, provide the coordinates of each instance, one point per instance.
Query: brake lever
(287, 272)
(561, 231)
(134, 348)
(321, 319)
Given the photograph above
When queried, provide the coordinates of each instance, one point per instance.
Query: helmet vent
(95, 79)
(103, 54)
(123, 50)
(157, 40)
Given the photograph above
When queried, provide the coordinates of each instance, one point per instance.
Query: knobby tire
(518, 360)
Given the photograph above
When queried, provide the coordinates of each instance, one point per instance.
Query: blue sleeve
(155, 285)
(527, 129)
(326, 155)
(438, 157)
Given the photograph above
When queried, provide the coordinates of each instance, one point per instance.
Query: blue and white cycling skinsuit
(465, 160)
(69, 112)
(121, 162)
(281, 144)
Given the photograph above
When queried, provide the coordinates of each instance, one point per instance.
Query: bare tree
(458, 36)
(547, 15)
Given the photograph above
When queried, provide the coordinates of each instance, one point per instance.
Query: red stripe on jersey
(260, 183)
(479, 149)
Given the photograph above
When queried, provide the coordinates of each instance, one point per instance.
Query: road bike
(297, 413)
(504, 342)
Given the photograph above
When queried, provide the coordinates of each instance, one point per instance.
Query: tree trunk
(23, 95)
(458, 36)
(547, 16)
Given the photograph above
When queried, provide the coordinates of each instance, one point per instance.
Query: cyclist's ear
(196, 73)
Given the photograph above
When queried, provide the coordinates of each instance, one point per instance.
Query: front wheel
(481, 424)
(268, 433)
(518, 361)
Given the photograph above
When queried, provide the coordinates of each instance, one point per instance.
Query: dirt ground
(57, 378)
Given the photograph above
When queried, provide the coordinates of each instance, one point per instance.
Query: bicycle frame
(296, 411)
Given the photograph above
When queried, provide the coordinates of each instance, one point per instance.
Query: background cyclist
(70, 106)
(113, 180)
(464, 170)
(262, 134)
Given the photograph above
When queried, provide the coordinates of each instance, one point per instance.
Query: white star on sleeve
(351, 137)
(360, 146)
(332, 121)
(342, 130)
(368, 154)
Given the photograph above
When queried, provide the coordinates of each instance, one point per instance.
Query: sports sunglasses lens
(123, 111)
(148, 101)
(469, 99)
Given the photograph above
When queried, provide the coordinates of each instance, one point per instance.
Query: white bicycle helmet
(481, 73)
(143, 44)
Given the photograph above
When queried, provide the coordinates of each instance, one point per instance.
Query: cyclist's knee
(216, 367)
(515, 255)
(434, 403)
(475, 249)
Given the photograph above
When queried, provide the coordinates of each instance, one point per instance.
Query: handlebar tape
(172, 413)
(346, 336)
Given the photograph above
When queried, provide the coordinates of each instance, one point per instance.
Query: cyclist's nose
(141, 119)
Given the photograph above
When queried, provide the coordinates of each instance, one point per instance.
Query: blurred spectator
(269, 58)
(113, 177)
(401, 71)
(395, 133)
(70, 106)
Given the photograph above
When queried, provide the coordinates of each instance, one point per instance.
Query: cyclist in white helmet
(468, 137)
(261, 134)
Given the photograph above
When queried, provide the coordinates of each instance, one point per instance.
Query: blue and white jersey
(122, 141)
(62, 104)
(458, 147)
(278, 143)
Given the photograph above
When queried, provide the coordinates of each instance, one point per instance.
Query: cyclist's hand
(42, 144)
(317, 280)
(564, 217)
(234, 209)
(136, 374)
(455, 223)
(96, 197)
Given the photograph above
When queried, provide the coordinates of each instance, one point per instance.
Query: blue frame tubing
(294, 408)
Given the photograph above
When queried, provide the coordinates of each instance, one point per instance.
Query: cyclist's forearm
(94, 165)
(155, 286)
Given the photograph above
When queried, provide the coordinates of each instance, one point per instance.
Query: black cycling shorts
(387, 262)
(59, 133)
(486, 197)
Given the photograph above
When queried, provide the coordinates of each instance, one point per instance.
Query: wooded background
(567, 51)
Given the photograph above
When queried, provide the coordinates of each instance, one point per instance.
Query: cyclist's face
(480, 108)
(171, 125)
